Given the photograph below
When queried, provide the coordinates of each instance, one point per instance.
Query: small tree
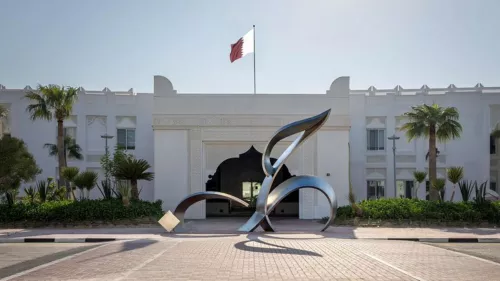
(455, 175)
(419, 177)
(86, 181)
(133, 170)
(69, 174)
(17, 164)
(439, 185)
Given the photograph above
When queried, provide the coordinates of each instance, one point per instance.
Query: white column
(196, 184)
(332, 159)
(171, 168)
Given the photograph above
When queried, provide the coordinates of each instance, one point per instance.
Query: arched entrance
(242, 177)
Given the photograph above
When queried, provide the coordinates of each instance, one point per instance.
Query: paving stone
(263, 257)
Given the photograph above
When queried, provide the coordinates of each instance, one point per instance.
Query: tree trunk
(453, 193)
(60, 151)
(433, 193)
(135, 191)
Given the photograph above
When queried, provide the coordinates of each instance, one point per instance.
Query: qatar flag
(242, 47)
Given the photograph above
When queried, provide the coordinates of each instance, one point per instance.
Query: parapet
(426, 90)
(163, 86)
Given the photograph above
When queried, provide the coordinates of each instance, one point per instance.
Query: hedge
(79, 211)
(422, 210)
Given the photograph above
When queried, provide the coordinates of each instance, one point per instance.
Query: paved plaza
(212, 249)
(247, 257)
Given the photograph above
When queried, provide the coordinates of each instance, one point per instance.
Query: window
(375, 189)
(404, 189)
(126, 138)
(493, 145)
(375, 139)
(493, 186)
(68, 131)
(250, 190)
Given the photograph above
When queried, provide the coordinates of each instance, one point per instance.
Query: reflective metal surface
(305, 128)
(267, 202)
(181, 209)
(299, 182)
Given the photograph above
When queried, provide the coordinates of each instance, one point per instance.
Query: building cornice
(166, 121)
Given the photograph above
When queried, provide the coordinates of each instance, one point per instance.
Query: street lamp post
(393, 138)
(106, 137)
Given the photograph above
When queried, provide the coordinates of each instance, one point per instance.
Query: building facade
(199, 142)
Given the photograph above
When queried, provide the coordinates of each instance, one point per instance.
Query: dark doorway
(242, 177)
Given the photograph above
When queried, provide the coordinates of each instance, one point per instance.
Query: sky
(301, 46)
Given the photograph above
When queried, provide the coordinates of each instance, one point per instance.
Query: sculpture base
(169, 222)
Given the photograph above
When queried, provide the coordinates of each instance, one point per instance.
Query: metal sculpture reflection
(266, 201)
(181, 209)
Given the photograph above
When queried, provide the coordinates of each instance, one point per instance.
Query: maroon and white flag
(242, 47)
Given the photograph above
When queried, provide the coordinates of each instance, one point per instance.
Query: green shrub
(79, 211)
(422, 210)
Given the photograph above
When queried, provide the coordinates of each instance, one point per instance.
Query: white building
(210, 141)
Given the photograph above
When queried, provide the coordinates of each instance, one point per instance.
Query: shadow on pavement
(281, 249)
(127, 246)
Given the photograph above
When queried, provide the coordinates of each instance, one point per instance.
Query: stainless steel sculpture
(266, 201)
(181, 209)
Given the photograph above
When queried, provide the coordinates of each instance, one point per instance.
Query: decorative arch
(233, 172)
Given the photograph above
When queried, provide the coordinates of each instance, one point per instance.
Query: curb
(56, 240)
(447, 240)
(100, 240)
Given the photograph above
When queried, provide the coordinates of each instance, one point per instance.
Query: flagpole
(254, 78)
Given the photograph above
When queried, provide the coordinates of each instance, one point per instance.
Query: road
(250, 257)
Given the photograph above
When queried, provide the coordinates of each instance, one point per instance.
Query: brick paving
(267, 257)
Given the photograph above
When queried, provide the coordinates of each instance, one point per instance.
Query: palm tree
(436, 123)
(53, 102)
(73, 150)
(440, 186)
(455, 174)
(419, 177)
(133, 170)
(86, 180)
(69, 174)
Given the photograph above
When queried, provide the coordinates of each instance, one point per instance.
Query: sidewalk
(225, 227)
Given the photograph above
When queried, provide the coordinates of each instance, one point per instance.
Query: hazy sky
(301, 46)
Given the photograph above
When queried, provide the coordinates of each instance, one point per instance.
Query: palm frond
(69, 173)
(52, 148)
(423, 117)
(455, 174)
(420, 176)
(73, 150)
(86, 179)
(495, 133)
(130, 168)
(39, 109)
